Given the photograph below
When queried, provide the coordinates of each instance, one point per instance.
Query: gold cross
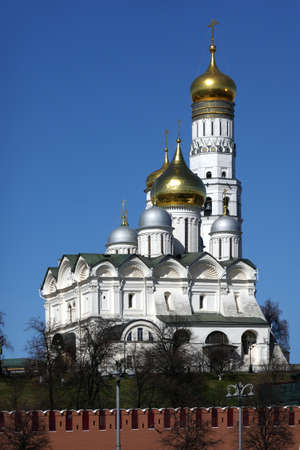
(178, 129)
(166, 132)
(212, 25)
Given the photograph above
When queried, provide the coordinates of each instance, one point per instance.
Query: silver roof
(155, 217)
(122, 235)
(225, 224)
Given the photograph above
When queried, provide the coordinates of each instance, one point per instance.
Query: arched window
(216, 338)
(186, 228)
(226, 205)
(208, 206)
(149, 245)
(167, 296)
(223, 174)
(208, 174)
(248, 339)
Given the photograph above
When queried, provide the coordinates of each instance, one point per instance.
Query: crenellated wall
(140, 428)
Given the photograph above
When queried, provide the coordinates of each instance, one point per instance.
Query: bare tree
(46, 354)
(170, 354)
(189, 434)
(270, 430)
(4, 343)
(142, 368)
(280, 327)
(23, 433)
(94, 359)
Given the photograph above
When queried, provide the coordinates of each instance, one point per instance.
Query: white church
(183, 265)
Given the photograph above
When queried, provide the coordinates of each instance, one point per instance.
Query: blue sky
(87, 89)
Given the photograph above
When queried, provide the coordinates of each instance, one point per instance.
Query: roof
(93, 259)
(196, 319)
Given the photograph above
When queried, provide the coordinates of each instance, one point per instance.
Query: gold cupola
(178, 185)
(157, 173)
(213, 84)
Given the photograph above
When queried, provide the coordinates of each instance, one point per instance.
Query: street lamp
(240, 390)
(118, 374)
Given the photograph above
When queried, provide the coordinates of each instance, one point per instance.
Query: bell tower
(213, 150)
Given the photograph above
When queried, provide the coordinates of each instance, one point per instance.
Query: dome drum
(216, 108)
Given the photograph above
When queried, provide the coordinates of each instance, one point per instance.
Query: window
(167, 297)
(245, 417)
(85, 420)
(70, 312)
(236, 300)
(223, 174)
(52, 421)
(151, 419)
(167, 418)
(216, 337)
(134, 419)
(230, 417)
(201, 300)
(214, 417)
(248, 339)
(102, 420)
(208, 206)
(140, 334)
(186, 231)
(129, 337)
(130, 300)
(69, 425)
(208, 174)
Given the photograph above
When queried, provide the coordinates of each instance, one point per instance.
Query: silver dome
(122, 235)
(155, 217)
(225, 224)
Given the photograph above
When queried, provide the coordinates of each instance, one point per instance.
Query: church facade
(183, 266)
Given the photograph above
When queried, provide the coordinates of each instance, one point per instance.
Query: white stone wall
(153, 242)
(179, 216)
(224, 246)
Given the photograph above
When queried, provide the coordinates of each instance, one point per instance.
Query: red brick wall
(141, 438)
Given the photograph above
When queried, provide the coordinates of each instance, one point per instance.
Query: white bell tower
(213, 150)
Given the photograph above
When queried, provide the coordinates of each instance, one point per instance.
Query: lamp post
(240, 390)
(118, 374)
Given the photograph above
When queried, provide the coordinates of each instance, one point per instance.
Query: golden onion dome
(213, 84)
(178, 185)
(157, 173)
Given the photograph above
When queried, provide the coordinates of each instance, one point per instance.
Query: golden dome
(157, 173)
(178, 185)
(213, 84)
